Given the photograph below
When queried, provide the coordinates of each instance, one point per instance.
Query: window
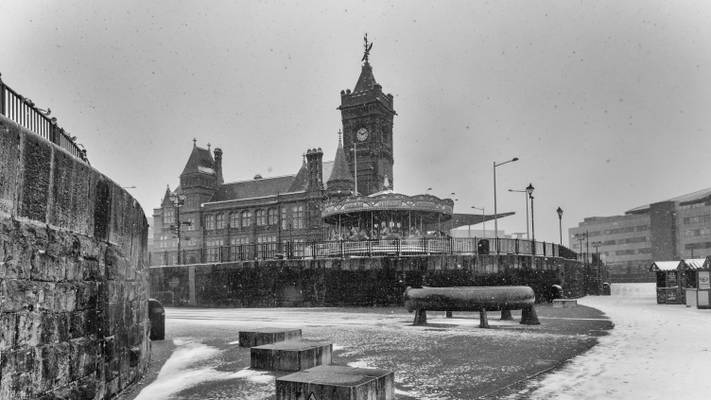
(272, 216)
(234, 220)
(284, 221)
(188, 223)
(261, 217)
(213, 250)
(210, 222)
(168, 216)
(220, 221)
(246, 219)
(297, 215)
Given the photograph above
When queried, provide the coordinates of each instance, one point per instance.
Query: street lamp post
(529, 190)
(496, 215)
(178, 201)
(525, 201)
(560, 224)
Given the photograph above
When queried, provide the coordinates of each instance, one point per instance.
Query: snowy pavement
(655, 351)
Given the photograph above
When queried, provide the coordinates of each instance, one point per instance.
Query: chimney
(314, 164)
(218, 165)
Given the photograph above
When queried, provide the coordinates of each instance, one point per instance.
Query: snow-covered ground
(655, 351)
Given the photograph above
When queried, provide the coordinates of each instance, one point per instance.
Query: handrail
(22, 111)
(360, 248)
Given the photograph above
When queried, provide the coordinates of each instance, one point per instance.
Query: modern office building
(667, 230)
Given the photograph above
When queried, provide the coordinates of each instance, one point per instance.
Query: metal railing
(22, 111)
(361, 248)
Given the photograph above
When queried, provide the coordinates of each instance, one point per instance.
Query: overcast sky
(606, 103)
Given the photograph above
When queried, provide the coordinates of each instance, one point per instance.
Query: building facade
(668, 230)
(204, 216)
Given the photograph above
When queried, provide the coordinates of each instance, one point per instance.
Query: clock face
(362, 134)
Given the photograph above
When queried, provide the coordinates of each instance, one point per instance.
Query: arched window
(246, 219)
(261, 217)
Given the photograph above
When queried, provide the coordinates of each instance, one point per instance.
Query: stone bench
(472, 298)
(263, 336)
(565, 303)
(293, 355)
(335, 382)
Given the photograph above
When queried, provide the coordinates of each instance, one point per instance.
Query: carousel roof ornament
(429, 207)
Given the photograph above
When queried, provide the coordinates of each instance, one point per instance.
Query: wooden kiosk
(670, 289)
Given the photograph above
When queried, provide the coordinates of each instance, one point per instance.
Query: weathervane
(366, 48)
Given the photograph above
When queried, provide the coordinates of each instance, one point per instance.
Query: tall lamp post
(178, 201)
(529, 190)
(496, 215)
(560, 224)
(525, 201)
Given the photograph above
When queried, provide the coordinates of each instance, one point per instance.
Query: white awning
(664, 266)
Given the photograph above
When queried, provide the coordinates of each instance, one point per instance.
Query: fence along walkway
(22, 111)
(359, 248)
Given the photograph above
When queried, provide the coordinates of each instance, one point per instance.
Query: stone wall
(73, 275)
(355, 281)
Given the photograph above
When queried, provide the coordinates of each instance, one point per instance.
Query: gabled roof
(366, 80)
(254, 188)
(201, 161)
(693, 263)
(166, 196)
(664, 266)
(340, 172)
(301, 179)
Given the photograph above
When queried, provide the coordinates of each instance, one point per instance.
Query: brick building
(274, 211)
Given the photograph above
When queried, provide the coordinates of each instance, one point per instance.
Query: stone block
(8, 321)
(9, 156)
(261, 336)
(565, 303)
(335, 382)
(36, 165)
(293, 355)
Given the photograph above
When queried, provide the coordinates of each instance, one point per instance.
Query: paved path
(654, 352)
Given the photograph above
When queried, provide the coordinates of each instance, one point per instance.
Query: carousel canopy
(425, 206)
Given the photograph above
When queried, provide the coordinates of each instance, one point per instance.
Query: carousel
(386, 222)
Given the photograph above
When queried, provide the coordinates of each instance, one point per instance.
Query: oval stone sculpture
(471, 298)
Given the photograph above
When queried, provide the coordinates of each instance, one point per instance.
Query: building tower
(340, 183)
(200, 177)
(367, 115)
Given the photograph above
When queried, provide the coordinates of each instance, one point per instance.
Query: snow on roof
(694, 263)
(664, 266)
(206, 170)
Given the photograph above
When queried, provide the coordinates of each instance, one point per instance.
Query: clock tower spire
(367, 115)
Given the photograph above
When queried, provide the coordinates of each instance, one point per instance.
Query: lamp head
(514, 159)
(529, 189)
(560, 212)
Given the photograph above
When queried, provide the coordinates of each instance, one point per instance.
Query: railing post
(370, 247)
(397, 247)
(314, 250)
(2, 97)
(341, 243)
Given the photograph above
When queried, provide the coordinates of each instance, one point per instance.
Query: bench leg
(420, 317)
(448, 314)
(506, 315)
(483, 320)
(529, 317)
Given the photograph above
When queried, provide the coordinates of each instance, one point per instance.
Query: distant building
(672, 229)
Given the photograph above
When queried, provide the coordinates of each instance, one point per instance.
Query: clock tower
(367, 115)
